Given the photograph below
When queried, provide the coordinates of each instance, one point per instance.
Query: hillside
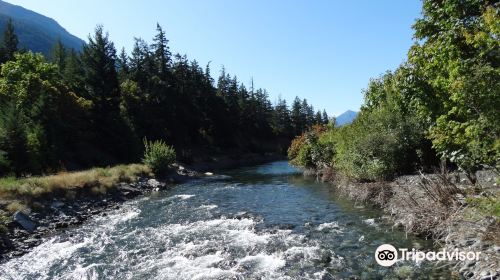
(36, 32)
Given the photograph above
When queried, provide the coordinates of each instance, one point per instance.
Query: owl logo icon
(386, 255)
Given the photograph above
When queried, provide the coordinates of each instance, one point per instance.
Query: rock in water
(129, 191)
(24, 221)
(155, 184)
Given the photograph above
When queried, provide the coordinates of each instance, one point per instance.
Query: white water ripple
(212, 249)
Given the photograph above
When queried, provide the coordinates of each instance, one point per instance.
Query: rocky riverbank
(439, 206)
(54, 212)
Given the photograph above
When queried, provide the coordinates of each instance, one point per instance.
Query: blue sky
(325, 51)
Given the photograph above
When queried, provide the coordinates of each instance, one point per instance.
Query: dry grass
(99, 178)
(424, 208)
(15, 206)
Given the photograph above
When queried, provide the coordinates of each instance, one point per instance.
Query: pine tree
(297, 116)
(307, 114)
(73, 73)
(162, 55)
(10, 42)
(141, 64)
(99, 61)
(58, 55)
(281, 119)
(325, 117)
(122, 65)
(111, 133)
(318, 119)
(13, 139)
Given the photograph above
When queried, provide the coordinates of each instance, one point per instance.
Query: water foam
(183, 196)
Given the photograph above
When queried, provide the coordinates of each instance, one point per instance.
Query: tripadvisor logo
(387, 255)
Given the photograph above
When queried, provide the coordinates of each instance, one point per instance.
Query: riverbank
(443, 207)
(34, 208)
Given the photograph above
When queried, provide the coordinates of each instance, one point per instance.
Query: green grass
(486, 205)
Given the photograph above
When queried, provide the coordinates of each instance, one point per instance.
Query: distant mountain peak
(36, 32)
(345, 118)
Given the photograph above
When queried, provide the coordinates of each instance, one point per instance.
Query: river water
(263, 222)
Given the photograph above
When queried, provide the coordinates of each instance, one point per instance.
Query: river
(262, 222)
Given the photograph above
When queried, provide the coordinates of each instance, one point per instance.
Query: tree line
(74, 110)
(439, 108)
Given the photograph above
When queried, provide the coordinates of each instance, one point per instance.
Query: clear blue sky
(325, 51)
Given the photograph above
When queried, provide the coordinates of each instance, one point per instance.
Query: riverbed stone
(24, 221)
(129, 191)
(155, 183)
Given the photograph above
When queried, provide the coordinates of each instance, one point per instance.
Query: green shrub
(158, 155)
(295, 146)
(311, 149)
(379, 145)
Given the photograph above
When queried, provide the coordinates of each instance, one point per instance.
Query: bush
(296, 146)
(379, 145)
(311, 150)
(158, 155)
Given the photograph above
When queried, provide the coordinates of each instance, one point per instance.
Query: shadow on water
(263, 222)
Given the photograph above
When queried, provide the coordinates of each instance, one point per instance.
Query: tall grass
(102, 178)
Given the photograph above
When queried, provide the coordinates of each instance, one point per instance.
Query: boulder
(155, 184)
(24, 221)
(129, 191)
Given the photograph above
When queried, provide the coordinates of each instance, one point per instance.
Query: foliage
(297, 144)
(158, 155)
(487, 205)
(37, 113)
(385, 140)
(457, 61)
(442, 102)
(92, 108)
(311, 149)
(376, 146)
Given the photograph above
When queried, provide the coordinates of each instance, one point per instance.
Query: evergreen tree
(325, 117)
(141, 64)
(122, 65)
(297, 118)
(91, 108)
(13, 138)
(281, 119)
(9, 44)
(111, 134)
(99, 63)
(307, 114)
(162, 53)
(58, 55)
(73, 73)
(318, 118)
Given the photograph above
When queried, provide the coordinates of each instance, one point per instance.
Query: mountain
(36, 32)
(345, 118)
